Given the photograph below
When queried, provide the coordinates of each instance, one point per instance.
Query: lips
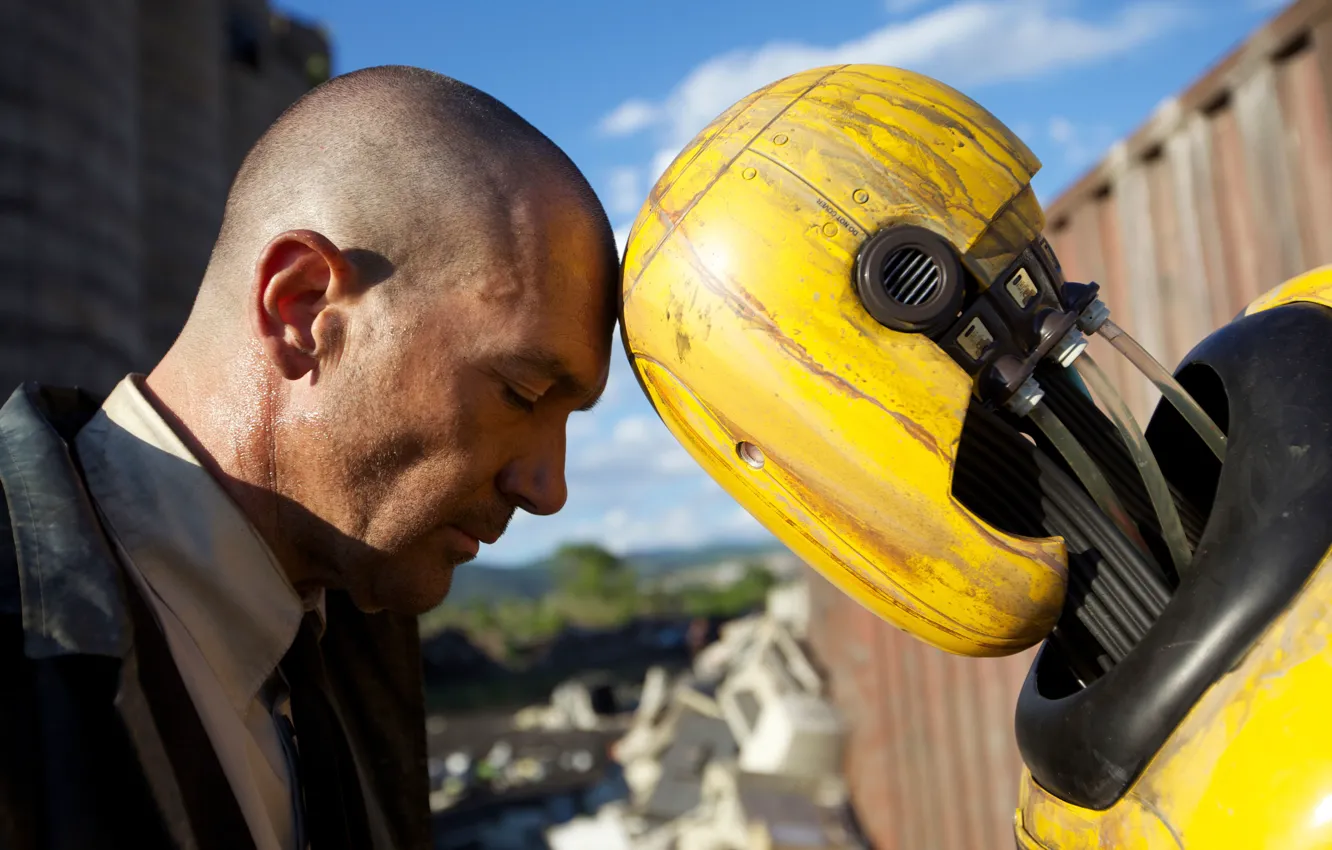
(486, 537)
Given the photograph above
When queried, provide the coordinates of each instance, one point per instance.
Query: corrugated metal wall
(932, 762)
(1225, 193)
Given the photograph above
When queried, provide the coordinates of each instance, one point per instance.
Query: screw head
(1026, 398)
(1069, 348)
(1092, 318)
(751, 454)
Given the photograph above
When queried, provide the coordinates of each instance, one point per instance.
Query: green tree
(587, 571)
(749, 593)
(758, 579)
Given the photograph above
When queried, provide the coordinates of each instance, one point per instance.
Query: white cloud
(624, 197)
(663, 159)
(622, 237)
(581, 427)
(1079, 146)
(629, 117)
(1061, 130)
(742, 523)
(955, 43)
(620, 378)
(632, 431)
(622, 531)
(639, 446)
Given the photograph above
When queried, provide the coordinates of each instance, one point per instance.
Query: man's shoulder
(57, 570)
(65, 410)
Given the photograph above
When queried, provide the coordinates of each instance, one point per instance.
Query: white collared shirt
(227, 609)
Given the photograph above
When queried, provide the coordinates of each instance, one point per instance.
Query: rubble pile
(554, 749)
(576, 704)
(741, 752)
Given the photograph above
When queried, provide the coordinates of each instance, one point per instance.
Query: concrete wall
(121, 125)
(70, 271)
(182, 173)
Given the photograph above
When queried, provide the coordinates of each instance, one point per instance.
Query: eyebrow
(552, 367)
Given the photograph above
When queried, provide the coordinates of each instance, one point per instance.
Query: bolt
(1026, 398)
(1096, 315)
(1069, 348)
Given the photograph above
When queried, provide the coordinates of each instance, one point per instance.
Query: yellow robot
(839, 300)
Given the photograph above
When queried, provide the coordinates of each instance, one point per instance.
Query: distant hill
(534, 580)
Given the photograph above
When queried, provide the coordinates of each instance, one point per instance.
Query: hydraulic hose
(1157, 489)
(1115, 589)
(1068, 398)
(1086, 470)
(1169, 387)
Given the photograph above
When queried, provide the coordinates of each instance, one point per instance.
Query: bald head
(399, 164)
(412, 291)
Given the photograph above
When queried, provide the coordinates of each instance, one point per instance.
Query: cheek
(443, 477)
(432, 449)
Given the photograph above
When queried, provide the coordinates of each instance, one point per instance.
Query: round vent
(911, 277)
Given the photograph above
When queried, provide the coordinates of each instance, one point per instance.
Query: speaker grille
(911, 277)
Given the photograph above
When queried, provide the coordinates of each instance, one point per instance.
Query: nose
(535, 480)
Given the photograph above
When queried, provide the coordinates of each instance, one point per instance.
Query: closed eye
(517, 400)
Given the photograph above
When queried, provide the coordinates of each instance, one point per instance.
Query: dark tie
(335, 817)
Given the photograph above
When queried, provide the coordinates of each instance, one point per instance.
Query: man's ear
(298, 275)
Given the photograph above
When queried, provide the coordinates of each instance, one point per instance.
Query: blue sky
(623, 86)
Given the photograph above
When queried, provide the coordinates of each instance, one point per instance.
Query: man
(411, 292)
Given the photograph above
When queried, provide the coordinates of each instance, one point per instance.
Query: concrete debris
(457, 763)
(576, 704)
(604, 831)
(482, 766)
(742, 751)
(789, 605)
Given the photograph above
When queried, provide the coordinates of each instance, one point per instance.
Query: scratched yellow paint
(741, 318)
(1250, 767)
(1312, 287)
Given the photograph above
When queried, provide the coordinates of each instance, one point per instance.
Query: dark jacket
(96, 754)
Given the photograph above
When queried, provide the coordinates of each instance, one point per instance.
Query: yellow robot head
(802, 303)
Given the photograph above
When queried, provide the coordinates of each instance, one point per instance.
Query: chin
(409, 590)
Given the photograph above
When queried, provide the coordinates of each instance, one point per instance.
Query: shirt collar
(192, 544)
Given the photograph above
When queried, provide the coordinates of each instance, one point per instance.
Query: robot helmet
(835, 279)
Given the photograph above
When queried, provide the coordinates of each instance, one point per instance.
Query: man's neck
(228, 425)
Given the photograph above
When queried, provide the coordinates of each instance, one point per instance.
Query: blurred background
(649, 668)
